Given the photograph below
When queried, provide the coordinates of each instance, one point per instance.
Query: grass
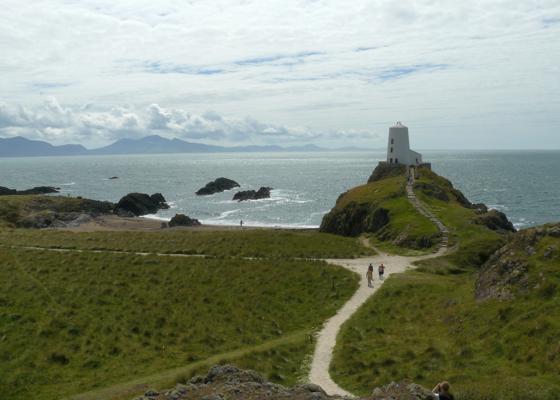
(474, 243)
(427, 326)
(407, 228)
(74, 322)
(281, 360)
(238, 243)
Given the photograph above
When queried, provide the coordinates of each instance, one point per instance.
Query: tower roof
(398, 124)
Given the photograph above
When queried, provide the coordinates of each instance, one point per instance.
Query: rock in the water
(183, 220)
(135, 204)
(113, 177)
(4, 191)
(262, 193)
(217, 186)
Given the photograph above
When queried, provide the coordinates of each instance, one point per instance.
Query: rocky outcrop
(402, 391)
(217, 186)
(507, 272)
(135, 204)
(262, 193)
(355, 219)
(231, 383)
(60, 212)
(495, 220)
(4, 191)
(385, 170)
(183, 220)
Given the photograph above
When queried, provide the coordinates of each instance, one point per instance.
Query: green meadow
(74, 322)
(428, 327)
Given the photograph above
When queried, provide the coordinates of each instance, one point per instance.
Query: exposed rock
(217, 186)
(113, 177)
(355, 219)
(135, 204)
(4, 191)
(262, 193)
(432, 190)
(495, 220)
(183, 220)
(506, 273)
(51, 219)
(385, 170)
(231, 383)
(402, 391)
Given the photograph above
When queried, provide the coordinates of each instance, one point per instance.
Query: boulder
(183, 220)
(135, 204)
(217, 186)
(262, 193)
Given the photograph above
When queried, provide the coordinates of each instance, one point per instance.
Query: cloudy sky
(460, 74)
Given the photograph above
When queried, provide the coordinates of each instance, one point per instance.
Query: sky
(460, 74)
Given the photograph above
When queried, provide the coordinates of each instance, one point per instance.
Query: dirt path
(326, 340)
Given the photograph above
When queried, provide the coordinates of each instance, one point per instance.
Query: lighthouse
(398, 148)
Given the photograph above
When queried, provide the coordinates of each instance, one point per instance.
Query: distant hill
(22, 147)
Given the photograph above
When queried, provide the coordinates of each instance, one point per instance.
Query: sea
(523, 184)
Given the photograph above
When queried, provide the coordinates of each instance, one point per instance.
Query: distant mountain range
(22, 147)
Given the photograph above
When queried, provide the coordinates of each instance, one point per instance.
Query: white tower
(398, 148)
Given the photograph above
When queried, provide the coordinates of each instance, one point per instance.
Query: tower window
(390, 161)
(392, 140)
(391, 149)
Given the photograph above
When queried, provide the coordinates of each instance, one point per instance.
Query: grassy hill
(381, 209)
(492, 332)
(71, 322)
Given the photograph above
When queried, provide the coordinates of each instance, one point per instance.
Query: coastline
(154, 223)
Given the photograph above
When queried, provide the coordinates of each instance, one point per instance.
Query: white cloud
(472, 74)
(58, 124)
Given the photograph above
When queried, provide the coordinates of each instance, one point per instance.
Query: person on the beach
(381, 270)
(369, 275)
(443, 391)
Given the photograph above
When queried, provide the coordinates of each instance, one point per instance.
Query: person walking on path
(443, 391)
(369, 275)
(381, 270)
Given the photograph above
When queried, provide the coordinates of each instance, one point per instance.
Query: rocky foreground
(232, 383)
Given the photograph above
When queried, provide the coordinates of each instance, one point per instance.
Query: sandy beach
(116, 223)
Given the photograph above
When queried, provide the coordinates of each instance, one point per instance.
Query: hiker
(369, 275)
(241, 223)
(443, 391)
(381, 270)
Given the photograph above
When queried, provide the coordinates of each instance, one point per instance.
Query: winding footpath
(326, 339)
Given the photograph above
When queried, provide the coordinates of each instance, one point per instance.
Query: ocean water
(523, 184)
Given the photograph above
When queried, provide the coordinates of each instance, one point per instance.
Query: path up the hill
(326, 339)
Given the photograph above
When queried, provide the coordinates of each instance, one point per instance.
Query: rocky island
(262, 193)
(217, 186)
(136, 204)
